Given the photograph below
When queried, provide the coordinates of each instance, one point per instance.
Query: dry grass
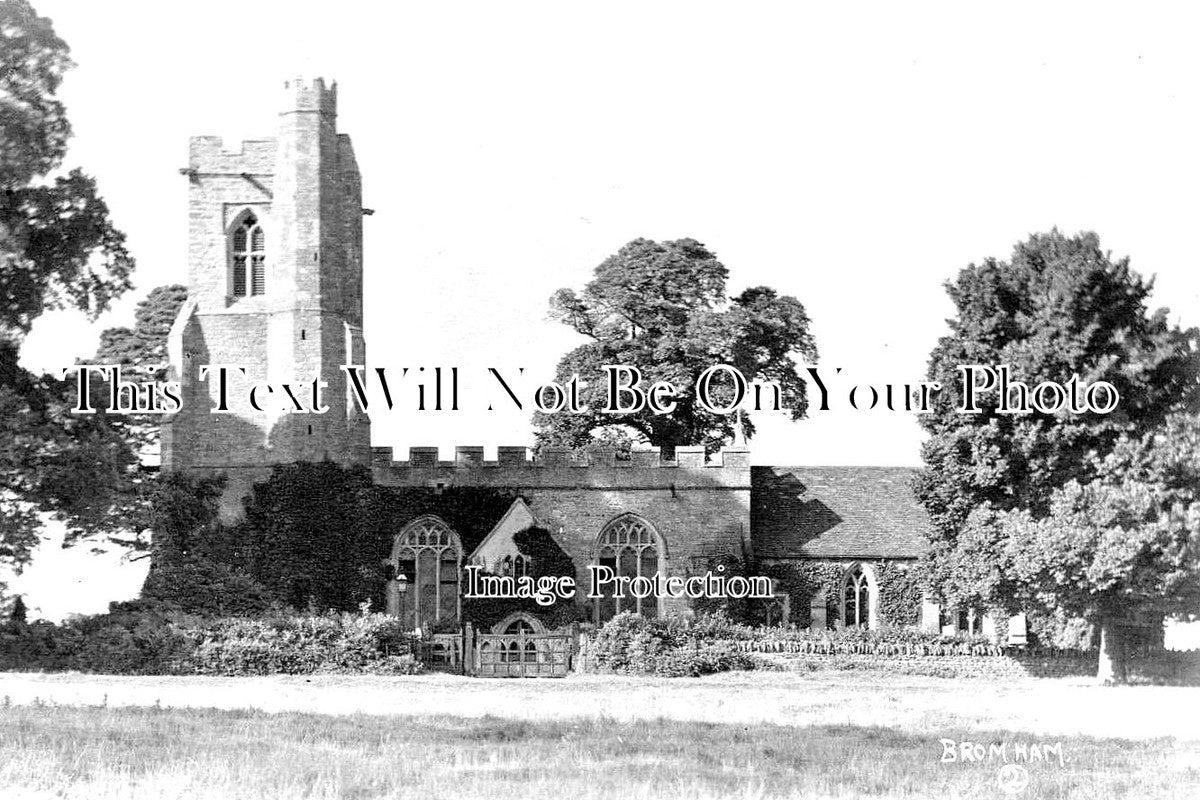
(97, 753)
(741, 736)
(912, 703)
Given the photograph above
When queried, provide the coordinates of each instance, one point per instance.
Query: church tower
(275, 294)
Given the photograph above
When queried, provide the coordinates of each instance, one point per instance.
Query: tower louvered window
(249, 258)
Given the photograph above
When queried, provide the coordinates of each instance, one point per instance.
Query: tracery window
(857, 598)
(630, 547)
(248, 252)
(429, 556)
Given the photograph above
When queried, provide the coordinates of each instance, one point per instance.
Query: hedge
(148, 643)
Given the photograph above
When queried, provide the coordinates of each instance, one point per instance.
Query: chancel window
(249, 254)
(857, 596)
(429, 557)
(631, 549)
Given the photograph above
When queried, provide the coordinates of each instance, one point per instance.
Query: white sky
(853, 155)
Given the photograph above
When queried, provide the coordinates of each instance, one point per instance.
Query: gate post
(469, 667)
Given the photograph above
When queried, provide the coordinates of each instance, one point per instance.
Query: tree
(19, 613)
(57, 245)
(146, 343)
(144, 346)
(58, 249)
(662, 307)
(1059, 307)
(1122, 547)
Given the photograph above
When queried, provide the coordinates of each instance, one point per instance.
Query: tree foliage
(1129, 539)
(146, 343)
(58, 249)
(1060, 306)
(143, 348)
(662, 307)
(1122, 547)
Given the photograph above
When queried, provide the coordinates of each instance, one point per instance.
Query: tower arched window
(249, 254)
(428, 554)
(631, 548)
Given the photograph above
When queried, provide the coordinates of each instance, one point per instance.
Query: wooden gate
(522, 655)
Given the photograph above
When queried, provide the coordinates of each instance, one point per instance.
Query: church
(275, 284)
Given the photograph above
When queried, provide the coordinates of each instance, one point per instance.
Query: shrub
(634, 645)
(703, 659)
(303, 645)
(139, 639)
(201, 586)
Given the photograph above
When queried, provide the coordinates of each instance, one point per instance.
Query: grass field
(836, 735)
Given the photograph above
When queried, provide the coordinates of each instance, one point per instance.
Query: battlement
(208, 154)
(302, 95)
(510, 457)
(559, 468)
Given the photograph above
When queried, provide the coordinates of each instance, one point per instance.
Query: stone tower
(274, 287)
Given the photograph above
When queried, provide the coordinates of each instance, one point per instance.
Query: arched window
(429, 556)
(856, 597)
(521, 566)
(630, 547)
(248, 252)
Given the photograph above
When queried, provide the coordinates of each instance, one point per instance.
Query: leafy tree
(146, 343)
(58, 249)
(1059, 307)
(1122, 547)
(57, 245)
(19, 612)
(144, 346)
(182, 512)
(662, 307)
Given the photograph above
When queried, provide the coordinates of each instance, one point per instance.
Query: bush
(302, 645)
(633, 645)
(208, 588)
(704, 659)
(138, 639)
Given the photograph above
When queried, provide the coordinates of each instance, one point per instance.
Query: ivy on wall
(900, 594)
(900, 591)
(801, 580)
(314, 536)
(548, 560)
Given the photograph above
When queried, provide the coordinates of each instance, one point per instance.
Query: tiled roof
(836, 512)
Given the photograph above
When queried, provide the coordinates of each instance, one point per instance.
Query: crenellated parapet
(309, 95)
(560, 466)
(208, 155)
